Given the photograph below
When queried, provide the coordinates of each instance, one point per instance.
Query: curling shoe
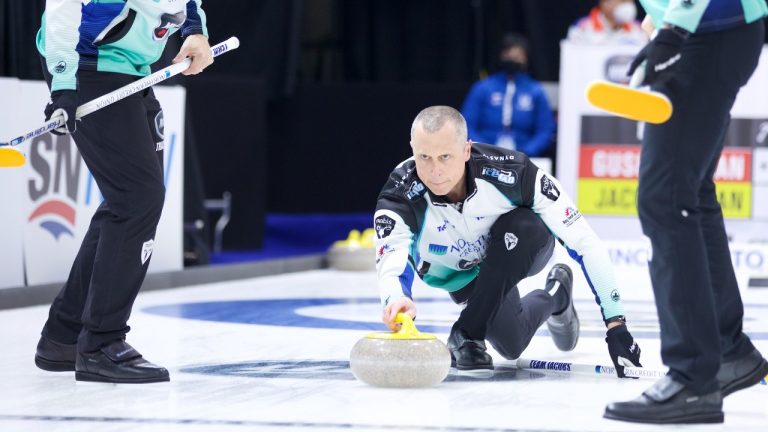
(54, 356)
(118, 362)
(742, 373)
(669, 401)
(563, 325)
(468, 354)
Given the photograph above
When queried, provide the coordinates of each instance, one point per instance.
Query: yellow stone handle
(408, 331)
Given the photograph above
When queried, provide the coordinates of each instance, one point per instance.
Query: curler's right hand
(402, 304)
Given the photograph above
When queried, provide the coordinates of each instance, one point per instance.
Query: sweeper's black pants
(697, 298)
(121, 145)
(493, 308)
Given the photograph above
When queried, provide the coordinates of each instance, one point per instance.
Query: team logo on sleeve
(508, 177)
(383, 226)
(615, 296)
(548, 188)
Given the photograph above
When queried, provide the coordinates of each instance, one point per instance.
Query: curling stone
(407, 358)
(356, 253)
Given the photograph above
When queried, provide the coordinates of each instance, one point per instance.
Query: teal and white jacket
(121, 36)
(420, 234)
(704, 15)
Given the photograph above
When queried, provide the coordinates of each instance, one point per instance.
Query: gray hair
(433, 118)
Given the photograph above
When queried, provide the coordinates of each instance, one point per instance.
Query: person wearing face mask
(509, 108)
(611, 21)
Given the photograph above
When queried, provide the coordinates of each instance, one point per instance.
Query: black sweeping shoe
(54, 356)
(118, 362)
(668, 401)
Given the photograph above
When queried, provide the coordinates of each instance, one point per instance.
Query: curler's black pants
(121, 145)
(493, 308)
(697, 298)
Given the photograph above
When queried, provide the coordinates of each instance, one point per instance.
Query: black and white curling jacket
(422, 234)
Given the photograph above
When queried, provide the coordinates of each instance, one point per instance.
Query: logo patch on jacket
(436, 249)
(548, 188)
(510, 240)
(146, 250)
(168, 22)
(571, 216)
(383, 226)
(416, 189)
(508, 177)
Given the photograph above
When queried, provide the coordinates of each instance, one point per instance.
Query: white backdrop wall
(46, 206)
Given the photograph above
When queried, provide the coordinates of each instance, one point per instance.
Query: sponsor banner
(630, 261)
(607, 197)
(58, 195)
(746, 257)
(619, 198)
(735, 165)
(623, 162)
(609, 162)
(735, 199)
(608, 175)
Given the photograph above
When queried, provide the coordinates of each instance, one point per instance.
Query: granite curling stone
(355, 253)
(403, 359)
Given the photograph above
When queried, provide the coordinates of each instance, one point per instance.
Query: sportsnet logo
(571, 216)
(55, 186)
(55, 216)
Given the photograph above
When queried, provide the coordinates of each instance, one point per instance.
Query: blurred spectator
(509, 108)
(611, 21)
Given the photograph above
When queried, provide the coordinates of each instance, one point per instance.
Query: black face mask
(512, 67)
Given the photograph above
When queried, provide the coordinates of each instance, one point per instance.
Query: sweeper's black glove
(661, 55)
(63, 102)
(623, 349)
